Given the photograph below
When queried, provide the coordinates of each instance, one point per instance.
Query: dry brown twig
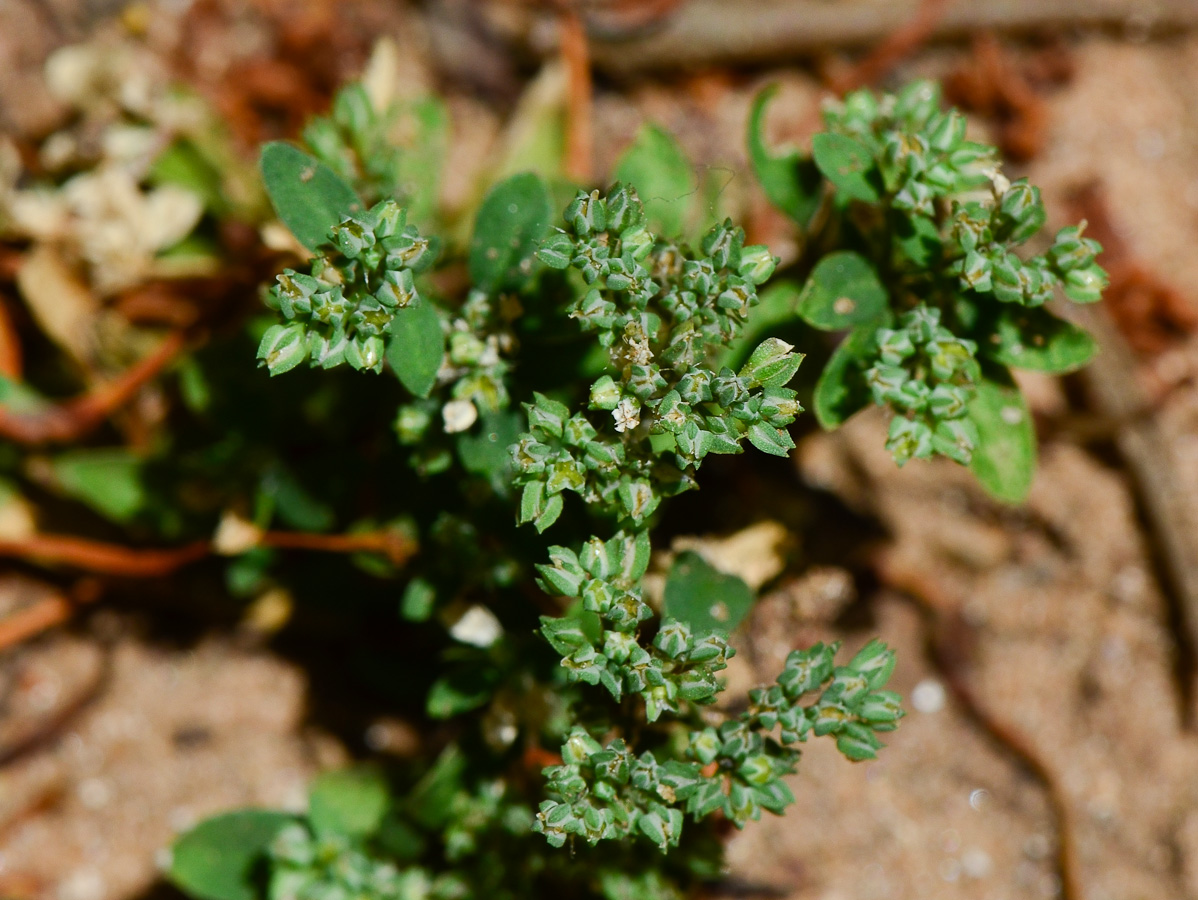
(716, 32)
(991, 86)
(69, 421)
(104, 558)
(580, 140)
(894, 48)
(11, 357)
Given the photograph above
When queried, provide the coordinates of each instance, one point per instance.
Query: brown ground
(1045, 750)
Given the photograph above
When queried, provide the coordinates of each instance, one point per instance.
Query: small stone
(976, 863)
(477, 627)
(928, 696)
(95, 793)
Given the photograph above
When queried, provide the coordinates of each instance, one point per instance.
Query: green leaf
(418, 600)
(485, 451)
(538, 508)
(511, 223)
(705, 598)
(771, 440)
(917, 237)
(1033, 338)
(1005, 458)
(283, 347)
(107, 480)
(790, 181)
(415, 347)
(841, 390)
(309, 197)
(663, 177)
(460, 691)
(219, 858)
(431, 801)
(858, 743)
(349, 802)
(182, 164)
(294, 504)
(844, 290)
(848, 165)
(422, 161)
(772, 364)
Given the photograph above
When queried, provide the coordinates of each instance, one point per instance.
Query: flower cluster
(925, 374)
(471, 380)
(354, 141)
(307, 867)
(605, 649)
(663, 315)
(737, 768)
(341, 311)
(920, 226)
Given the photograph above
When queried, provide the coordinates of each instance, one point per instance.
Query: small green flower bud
(587, 214)
(579, 747)
(881, 708)
(909, 439)
(557, 250)
(723, 244)
(946, 131)
(624, 209)
(397, 290)
(756, 769)
(917, 102)
(353, 238)
(1021, 211)
(704, 745)
(949, 357)
(618, 646)
(757, 264)
(605, 394)
(365, 352)
(886, 382)
(673, 639)
(465, 348)
(352, 109)
(283, 347)
(858, 742)
(636, 242)
(1086, 285)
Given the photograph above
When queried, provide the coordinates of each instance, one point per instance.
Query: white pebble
(928, 696)
(975, 862)
(478, 627)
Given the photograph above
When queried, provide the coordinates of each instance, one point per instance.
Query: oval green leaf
(844, 290)
(219, 859)
(663, 177)
(309, 197)
(705, 598)
(1035, 339)
(512, 221)
(109, 480)
(841, 390)
(849, 165)
(790, 181)
(349, 802)
(415, 347)
(1005, 458)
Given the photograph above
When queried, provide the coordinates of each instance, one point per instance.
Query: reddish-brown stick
(73, 419)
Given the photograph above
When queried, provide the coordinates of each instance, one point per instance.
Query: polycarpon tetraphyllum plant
(595, 359)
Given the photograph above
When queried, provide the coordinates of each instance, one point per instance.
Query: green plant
(575, 380)
(910, 233)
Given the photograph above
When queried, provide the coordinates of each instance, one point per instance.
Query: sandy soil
(1048, 753)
